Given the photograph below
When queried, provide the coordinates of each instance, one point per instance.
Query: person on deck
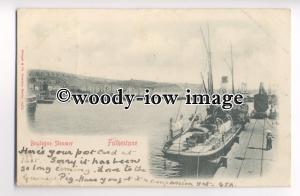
(269, 139)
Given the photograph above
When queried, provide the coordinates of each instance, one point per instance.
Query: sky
(158, 45)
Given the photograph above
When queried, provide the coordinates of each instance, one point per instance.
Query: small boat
(45, 98)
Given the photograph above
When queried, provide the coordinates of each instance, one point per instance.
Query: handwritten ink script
(92, 167)
(78, 166)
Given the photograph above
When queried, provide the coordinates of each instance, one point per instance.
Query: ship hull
(45, 101)
(214, 155)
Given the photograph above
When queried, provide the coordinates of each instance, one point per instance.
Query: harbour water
(151, 121)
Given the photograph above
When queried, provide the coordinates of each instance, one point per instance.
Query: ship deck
(179, 146)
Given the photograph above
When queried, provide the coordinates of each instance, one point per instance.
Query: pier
(249, 157)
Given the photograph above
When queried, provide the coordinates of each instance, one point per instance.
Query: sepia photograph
(118, 71)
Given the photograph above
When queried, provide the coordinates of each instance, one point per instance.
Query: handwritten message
(115, 164)
(78, 166)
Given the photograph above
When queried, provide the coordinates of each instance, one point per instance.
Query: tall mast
(204, 86)
(210, 75)
(210, 86)
(232, 79)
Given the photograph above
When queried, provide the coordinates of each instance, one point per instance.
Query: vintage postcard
(153, 97)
